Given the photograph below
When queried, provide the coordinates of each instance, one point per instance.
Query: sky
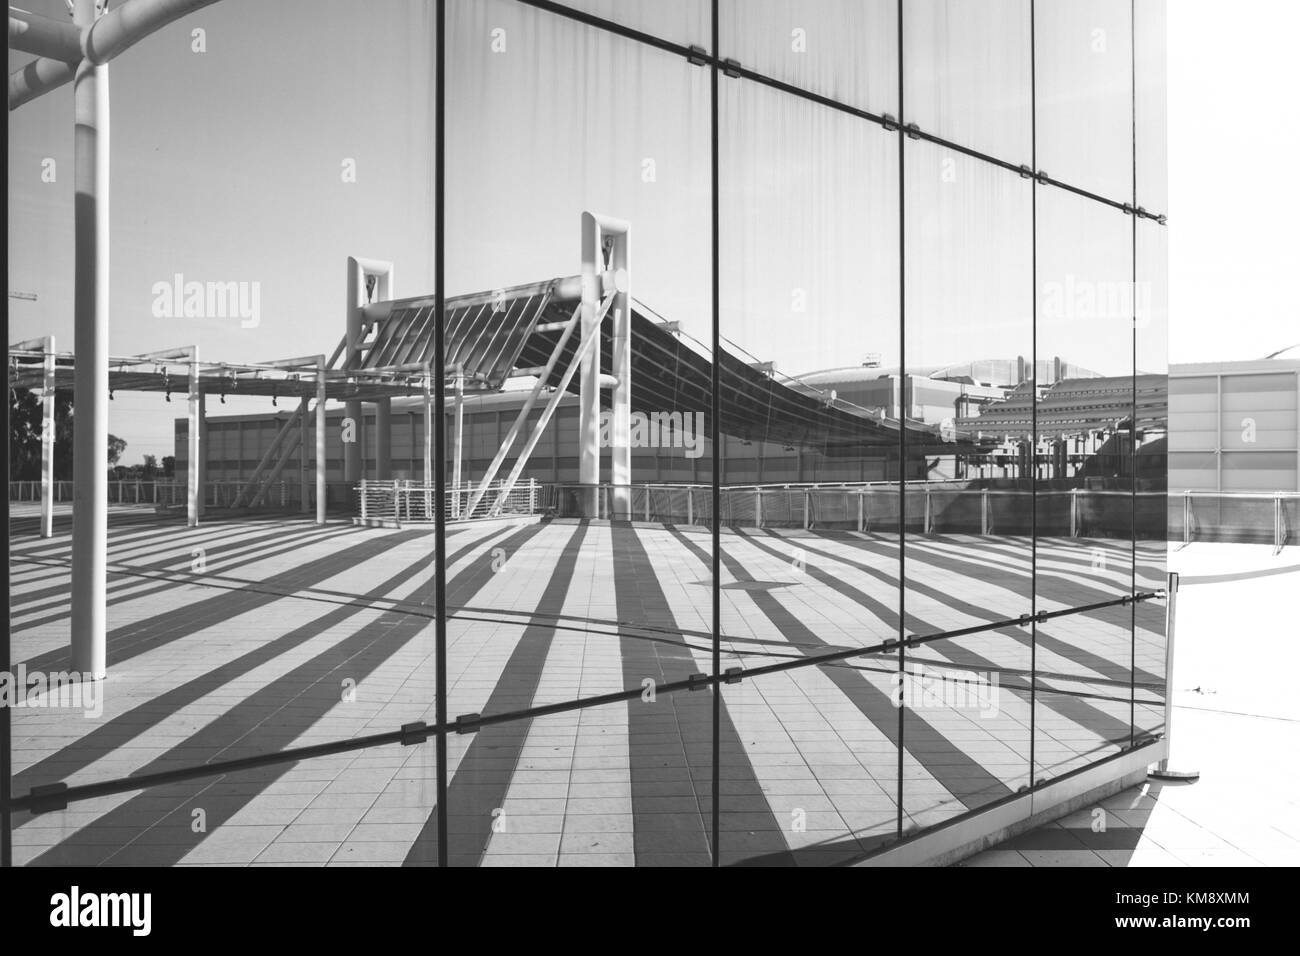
(301, 133)
(1234, 129)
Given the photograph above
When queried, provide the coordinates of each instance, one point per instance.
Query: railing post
(862, 511)
(807, 510)
(1187, 518)
(363, 499)
(690, 505)
(1277, 523)
(925, 521)
(647, 504)
(1162, 771)
(1074, 512)
(532, 496)
(758, 507)
(984, 512)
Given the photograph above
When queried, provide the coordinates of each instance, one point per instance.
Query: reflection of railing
(405, 500)
(219, 493)
(930, 508)
(121, 492)
(1238, 516)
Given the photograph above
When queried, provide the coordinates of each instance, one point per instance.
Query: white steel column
(589, 372)
(304, 488)
(192, 487)
(620, 445)
(428, 477)
(90, 389)
(203, 448)
(320, 440)
(47, 439)
(457, 443)
(595, 230)
(352, 409)
(358, 270)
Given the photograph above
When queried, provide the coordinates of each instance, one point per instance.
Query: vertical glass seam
(902, 415)
(440, 425)
(1133, 429)
(1033, 394)
(716, 489)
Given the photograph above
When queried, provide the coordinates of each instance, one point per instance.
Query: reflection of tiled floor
(244, 637)
(1236, 721)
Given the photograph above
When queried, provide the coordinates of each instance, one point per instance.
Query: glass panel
(256, 630)
(1151, 351)
(1084, 64)
(364, 808)
(967, 73)
(1150, 103)
(809, 494)
(969, 344)
(590, 602)
(846, 50)
(685, 22)
(1084, 462)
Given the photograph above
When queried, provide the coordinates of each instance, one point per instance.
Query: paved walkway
(243, 637)
(1236, 720)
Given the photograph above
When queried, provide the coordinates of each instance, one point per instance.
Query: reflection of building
(847, 220)
(1234, 426)
(987, 403)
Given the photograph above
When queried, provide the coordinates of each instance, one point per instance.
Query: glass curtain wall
(817, 356)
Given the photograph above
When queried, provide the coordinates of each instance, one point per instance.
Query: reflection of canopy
(484, 333)
(670, 375)
(492, 334)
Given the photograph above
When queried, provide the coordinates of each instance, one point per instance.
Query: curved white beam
(36, 78)
(44, 37)
(128, 24)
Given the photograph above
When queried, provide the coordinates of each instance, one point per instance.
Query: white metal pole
(352, 409)
(589, 379)
(320, 440)
(620, 445)
(1163, 771)
(192, 486)
(304, 488)
(457, 444)
(47, 440)
(203, 448)
(90, 390)
(428, 443)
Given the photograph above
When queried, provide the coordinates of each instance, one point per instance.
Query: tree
(24, 435)
(169, 466)
(149, 470)
(25, 423)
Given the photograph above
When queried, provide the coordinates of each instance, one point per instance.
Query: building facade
(1234, 426)
(931, 302)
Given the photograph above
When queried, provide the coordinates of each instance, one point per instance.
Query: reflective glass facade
(848, 525)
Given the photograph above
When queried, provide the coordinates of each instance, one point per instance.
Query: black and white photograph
(652, 433)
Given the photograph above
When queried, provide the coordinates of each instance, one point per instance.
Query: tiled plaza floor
(1236, 721)
(243, 637)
